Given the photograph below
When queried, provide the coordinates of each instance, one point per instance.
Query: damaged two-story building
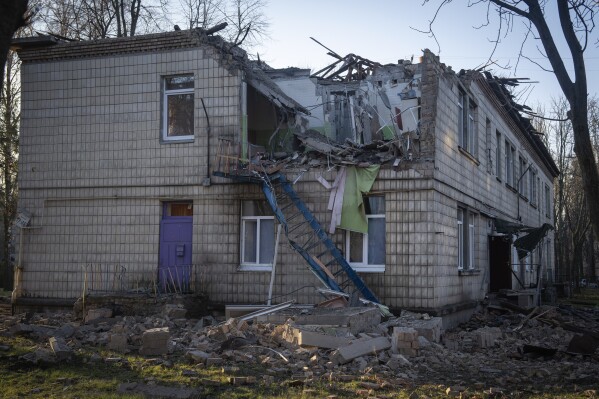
(167, 162)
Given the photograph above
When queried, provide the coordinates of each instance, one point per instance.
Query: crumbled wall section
(430, 71)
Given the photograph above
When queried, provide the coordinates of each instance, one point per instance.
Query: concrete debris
(174, 311)
(360, 348)
(155, 341)
(99, 313)
(500, 347)
(60, 348)
(405, 341)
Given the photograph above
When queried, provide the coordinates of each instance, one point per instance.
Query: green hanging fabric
(359, 181)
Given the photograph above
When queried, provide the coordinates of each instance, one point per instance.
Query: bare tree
(9, 144)
(201, 13)
(13, 15)
(96, 19)
(577, 22)
(246, 22)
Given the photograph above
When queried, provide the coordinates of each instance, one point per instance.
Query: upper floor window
(510, 153)
(547, 201)
(523, 187)
(367, 251)
(498, 155)
(177, 108)
(257, 236)
(467, 124)
(533, 186)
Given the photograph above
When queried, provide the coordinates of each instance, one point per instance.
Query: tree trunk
(12, 17)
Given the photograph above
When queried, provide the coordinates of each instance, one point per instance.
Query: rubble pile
(501, 349)
(319, 150)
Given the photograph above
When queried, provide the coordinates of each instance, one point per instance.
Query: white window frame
(466, 239)
(547, 201)
(467, 132)
(253, 266)
(533, 187)
(510, 170)
(165, 94)
(363, 266)
(471, 241)
(523, 189)
(498, 165)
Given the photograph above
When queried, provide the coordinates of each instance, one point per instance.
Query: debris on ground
(498, 347)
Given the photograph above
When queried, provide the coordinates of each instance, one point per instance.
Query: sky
(385, 31)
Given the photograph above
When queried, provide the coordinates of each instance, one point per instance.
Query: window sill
(469, 155)
(469, 272)
(368, 269)
(498, 179)
(186, 139)
(524, 198)
(533, 205)
(254, 268)
(511, 188)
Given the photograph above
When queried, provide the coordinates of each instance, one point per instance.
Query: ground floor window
(366, 252)
(257, 236)
(466, 221)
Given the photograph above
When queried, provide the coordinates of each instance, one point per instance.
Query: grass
(81, 378)
(587, 297)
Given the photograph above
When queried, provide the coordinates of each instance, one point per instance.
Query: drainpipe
(206, 181)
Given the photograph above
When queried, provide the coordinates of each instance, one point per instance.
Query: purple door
(174, 271)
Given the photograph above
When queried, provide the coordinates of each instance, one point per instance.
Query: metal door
(176, 230)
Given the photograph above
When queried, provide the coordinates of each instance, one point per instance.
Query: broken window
(257, 236)
(467, 124)
(177, 108)
(366, 252)
(466, 239)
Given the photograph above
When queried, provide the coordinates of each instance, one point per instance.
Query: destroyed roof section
(260, 81)
(496, 88)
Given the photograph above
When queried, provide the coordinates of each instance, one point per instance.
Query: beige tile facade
(94, 173)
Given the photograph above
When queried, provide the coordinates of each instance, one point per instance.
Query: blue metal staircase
(310, 240)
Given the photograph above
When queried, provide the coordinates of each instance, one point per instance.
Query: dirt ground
(549, 351)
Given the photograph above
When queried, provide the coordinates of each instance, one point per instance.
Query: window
(466, 239)
(366, 252)
(488, 146)
(257, 236)
(533, 186)
(467, 124)
(549, 270)
(523, 187)
(177, 108)
(510, 172)
(498, 155)
(547, 201)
